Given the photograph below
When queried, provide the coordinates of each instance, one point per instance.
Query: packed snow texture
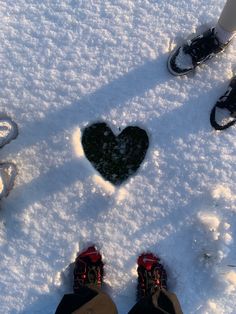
(66, 64)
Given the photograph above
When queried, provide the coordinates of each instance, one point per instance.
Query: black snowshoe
(228, 102)
(194, 52)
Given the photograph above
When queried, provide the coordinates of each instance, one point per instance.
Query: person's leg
(152, 294)
(86, 301)
(88, 280)
(71, 302)
(226, 27)
(196, 51)
(227, 18)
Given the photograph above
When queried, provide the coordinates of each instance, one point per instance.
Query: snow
(66, 64)
(183, 60)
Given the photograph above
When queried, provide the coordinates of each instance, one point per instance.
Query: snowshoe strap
(215, 125)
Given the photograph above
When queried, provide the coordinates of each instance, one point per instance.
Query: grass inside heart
(115, 157)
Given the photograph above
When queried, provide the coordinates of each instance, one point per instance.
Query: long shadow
(116, 93)
(57, 179)
(191, 117)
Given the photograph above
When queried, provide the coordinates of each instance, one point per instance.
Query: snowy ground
(65, 64)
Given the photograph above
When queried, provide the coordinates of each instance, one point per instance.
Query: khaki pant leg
(227, 18)
(100, 304)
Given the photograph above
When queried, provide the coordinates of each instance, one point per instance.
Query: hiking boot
(228, 102)
(151, 275)
(194, 52)
(88, 269)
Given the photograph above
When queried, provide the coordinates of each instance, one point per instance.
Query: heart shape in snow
(115, 157)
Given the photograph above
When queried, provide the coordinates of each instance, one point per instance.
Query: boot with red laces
(151, 275)
(88, 269)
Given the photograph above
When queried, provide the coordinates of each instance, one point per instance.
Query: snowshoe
(88, 269)
(151, 275)
(194, 52)
(228, 102)
(8, 172)
(8, 130)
